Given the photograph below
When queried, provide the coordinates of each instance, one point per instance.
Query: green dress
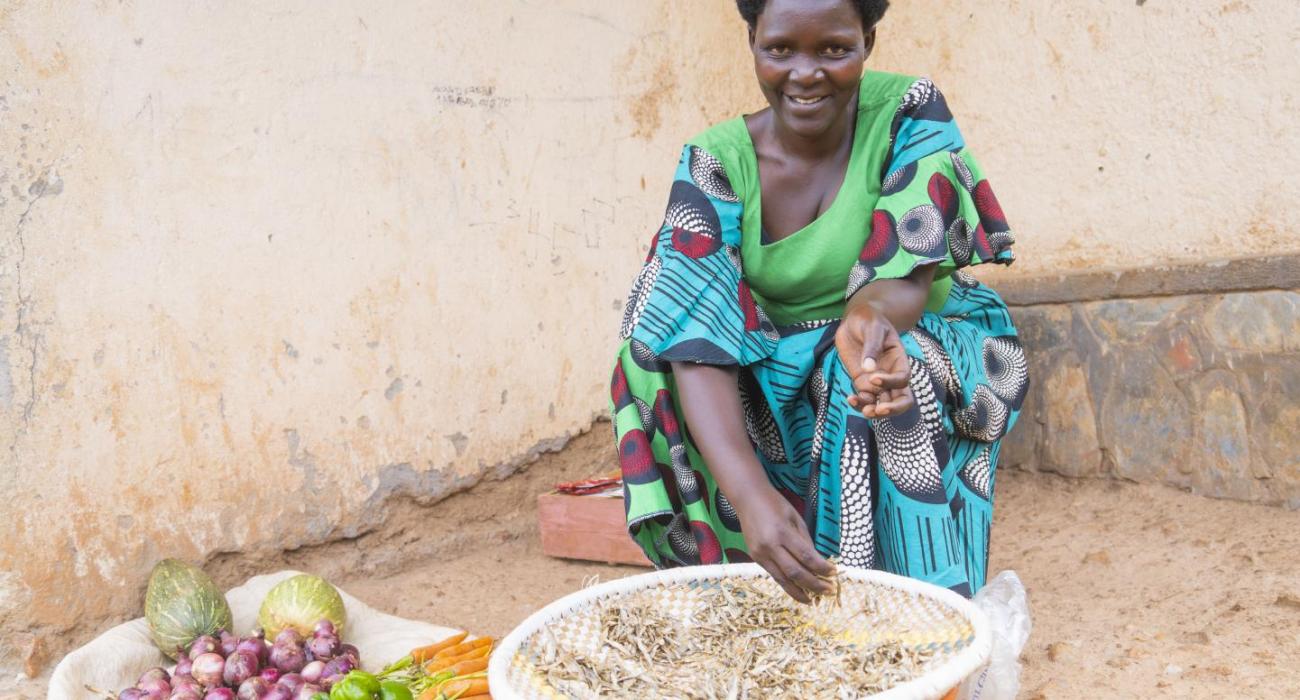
(911, 494)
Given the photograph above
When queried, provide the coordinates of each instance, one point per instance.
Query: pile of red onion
(227, 667)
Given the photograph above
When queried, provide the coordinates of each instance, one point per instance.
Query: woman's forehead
(823, 17)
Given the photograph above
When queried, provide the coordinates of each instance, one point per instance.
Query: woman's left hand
(873, 355)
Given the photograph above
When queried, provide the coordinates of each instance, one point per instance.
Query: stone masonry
(1196, 390)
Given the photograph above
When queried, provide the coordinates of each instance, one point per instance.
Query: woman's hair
(870, 10)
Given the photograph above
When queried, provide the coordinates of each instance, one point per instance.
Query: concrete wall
(1155, 136)
(1121, 133)
(269, 265)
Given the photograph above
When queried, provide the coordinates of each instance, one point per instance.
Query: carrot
(462, 687)
(443, 664)
(480, 696)
(469, 666)
(463, 647)
(422, 654)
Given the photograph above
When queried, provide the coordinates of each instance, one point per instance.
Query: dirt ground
(1135, 591)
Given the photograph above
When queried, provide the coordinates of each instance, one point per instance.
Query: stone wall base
(1199, 391)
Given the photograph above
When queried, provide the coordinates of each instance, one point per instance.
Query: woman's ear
(868, 43)
(751, 36)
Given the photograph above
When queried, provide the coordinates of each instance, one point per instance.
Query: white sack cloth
(116, 658)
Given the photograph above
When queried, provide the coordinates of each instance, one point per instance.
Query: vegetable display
(300, 603)
(182, 603)
(291, 668)
(451, 669)
(297, 653)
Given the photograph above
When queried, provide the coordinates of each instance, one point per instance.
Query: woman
(804, 361)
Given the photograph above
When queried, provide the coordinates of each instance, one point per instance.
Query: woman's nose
(806, 71)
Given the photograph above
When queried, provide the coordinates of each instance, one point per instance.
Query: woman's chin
(805, 127)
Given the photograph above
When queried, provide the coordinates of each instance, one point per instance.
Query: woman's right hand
(778, 541)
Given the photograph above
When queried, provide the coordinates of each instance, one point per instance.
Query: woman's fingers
(899, 402)
(797, 573)
(774, 569)
(809, 559)
(889, 380)
(868, 384)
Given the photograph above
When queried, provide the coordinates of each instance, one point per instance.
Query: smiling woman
(806, 371)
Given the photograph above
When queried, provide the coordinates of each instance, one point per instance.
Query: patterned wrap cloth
(910, 494)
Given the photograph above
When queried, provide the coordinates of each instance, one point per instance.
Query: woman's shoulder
(883, 86)
(723, 138)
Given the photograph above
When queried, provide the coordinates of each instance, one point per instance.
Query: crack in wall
(29, 341)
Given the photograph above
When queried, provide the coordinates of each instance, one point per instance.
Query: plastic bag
(1005, 602)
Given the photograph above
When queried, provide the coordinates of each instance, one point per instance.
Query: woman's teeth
(805, 100)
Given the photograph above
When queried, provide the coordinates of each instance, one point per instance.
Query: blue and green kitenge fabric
(911, 494)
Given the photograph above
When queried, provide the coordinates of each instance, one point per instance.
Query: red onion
(186, 695)
(270, 674)
(208, 669)
(180, 683)
(183, 665)
(349, 650)
(220, 694)
(324, 646)
(228, 642)
(204, 645)
(312, 671)
(307, 691)
(288, 635)
(323, 627)
(240, 666)
(155, 685)
(278, 692)
(130, 694)
(154, 695)
(255, 645)
(253, 689)
(155, 673)
(287, 657)
(335, 670)
(292, 681)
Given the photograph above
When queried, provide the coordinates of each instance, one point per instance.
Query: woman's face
(809, 56)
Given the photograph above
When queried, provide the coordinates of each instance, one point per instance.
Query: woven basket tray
(914, 613)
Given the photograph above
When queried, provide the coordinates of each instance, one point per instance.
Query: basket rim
(932, 685)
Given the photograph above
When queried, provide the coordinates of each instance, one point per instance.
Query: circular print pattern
(898, 180)
(920, 231)
(636, 459)
(709, 174)
(696, 232)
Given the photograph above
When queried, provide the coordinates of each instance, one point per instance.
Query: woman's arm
(869, 344)
(774, 531)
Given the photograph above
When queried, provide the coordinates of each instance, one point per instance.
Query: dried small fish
(743, 638)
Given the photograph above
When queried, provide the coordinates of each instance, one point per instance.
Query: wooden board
(591, 528)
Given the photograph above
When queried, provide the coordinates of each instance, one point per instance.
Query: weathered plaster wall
(267, 265)
(1121, 133)
(264, 266)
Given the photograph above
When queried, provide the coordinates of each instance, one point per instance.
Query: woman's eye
(836, 52)
(779, 51)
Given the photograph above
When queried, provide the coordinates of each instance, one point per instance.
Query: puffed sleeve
(690, 303)
(935, 204)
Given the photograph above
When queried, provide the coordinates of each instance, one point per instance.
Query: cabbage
(300, 602)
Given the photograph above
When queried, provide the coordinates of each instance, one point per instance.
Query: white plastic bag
(1005, 602)
(116, 658)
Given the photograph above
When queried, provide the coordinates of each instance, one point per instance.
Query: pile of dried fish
(747, 640)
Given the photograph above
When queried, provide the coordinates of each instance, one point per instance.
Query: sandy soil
(1136, 591)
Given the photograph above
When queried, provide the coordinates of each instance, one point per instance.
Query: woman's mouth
(805, 101)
